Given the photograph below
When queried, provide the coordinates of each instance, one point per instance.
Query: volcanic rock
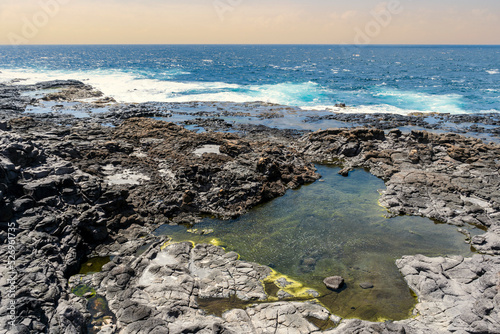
(334, 282)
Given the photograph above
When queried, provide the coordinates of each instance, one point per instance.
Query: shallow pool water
(94, 265)
(334, 227)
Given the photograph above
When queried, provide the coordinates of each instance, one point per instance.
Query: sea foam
(136, 87)
(128, 87)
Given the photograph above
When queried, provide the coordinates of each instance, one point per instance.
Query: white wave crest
(127, 87)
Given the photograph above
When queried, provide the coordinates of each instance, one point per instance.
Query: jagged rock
(58, 84)
(463, 289)
(130, 312)
(345, 171)
(73, 94)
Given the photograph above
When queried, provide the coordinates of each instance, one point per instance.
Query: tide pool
(333, 227)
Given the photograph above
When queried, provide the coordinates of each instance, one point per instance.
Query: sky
(249, 22)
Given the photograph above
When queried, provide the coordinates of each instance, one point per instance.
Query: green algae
(97, 306)
(82, 289)
(333, 227)
(94, 265)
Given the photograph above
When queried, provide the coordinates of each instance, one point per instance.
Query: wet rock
(283, 282)
(58, 84)
(12, 101)
(73, 94)
(105, 100)
(345, 171)
(334, 282)
(307, 264)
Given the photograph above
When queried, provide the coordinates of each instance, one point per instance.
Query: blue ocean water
(396, 79)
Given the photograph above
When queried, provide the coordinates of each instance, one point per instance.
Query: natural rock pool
(334, 227)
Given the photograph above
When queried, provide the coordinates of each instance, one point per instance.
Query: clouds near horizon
(245, 21)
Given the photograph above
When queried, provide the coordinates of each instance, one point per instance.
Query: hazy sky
(249, 21)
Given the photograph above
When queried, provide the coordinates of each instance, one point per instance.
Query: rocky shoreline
(80, 187)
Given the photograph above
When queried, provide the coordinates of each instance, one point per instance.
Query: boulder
(334, 282)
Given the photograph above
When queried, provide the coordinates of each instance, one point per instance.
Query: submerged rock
(366, 285)
(334, 282)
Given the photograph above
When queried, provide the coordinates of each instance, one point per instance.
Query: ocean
(368, 79)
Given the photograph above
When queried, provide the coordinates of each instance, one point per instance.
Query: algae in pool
(94, 265)
(82, 289)
(101, 314)
(97, 306)
(335, 227)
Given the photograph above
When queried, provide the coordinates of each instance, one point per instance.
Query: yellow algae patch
(217, 242)
(294, 288)
(165, 245)
(388, 211)
(171, 242)
(213, 241)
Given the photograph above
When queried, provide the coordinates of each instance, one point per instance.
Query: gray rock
(131, 312)
(283, 294)
(334, 282)
(366, 285)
